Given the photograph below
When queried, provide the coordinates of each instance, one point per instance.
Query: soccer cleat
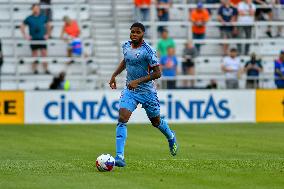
(173, 145)
(119, 162)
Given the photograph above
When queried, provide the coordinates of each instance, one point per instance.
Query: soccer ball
(105, 162)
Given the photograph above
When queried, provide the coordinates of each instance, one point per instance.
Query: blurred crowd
(39, 31)
(236, 18)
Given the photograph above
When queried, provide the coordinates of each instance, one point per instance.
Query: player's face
(136, 35)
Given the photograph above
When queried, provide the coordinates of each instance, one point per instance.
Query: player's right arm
(119, 69)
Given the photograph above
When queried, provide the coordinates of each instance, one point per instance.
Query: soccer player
(141, 63)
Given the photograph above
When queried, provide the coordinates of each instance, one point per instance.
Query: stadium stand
(105, 26)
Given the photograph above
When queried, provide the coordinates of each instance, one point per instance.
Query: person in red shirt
(70, 33)
(199, 18)
(142, 10)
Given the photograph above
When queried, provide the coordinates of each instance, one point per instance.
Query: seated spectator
(246, 11)
(60, 83)
(253, 67)
(39, 31)
(279, 71)
(264, 13)
(164, 43)
(70, 33)
(142, 10)
(227, 14)
(199, 18)
(169, 64)
(163, 11)
(232, 69)
(189, 54)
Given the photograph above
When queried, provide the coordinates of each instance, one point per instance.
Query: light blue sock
(121, 135)
(164, 128)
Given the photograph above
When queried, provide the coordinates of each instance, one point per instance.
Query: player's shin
(164, 128)
(121, 135)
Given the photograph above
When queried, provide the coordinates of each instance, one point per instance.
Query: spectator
(165, 43)
(279, 71)
(60, 83)
(39, 30)
(169, 67)
(189, 54)
(227, 15)
(232, 69)
(46, 9)
(70, 33)
(199, 18)
(253, 67)
(142, 10)
(264, 13)
(163, 11)
(246, 16)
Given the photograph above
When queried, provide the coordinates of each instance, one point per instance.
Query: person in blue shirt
(141, 64)
(227, 14)
(39, 31)
(279, 71)
(253, 67)
(169, 64)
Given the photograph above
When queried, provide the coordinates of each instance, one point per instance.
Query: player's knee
(123, 118)
(155, 122)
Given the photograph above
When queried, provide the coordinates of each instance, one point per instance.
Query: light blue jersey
(138, 63)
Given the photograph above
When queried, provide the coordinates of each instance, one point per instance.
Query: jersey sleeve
(153, 59)
(124, 47)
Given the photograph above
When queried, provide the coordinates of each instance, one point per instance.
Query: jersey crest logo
(137, 55)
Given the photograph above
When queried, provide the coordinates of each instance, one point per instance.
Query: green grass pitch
(217, 156)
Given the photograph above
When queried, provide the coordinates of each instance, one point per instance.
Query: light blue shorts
(150, 102)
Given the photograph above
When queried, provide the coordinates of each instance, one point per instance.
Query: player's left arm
(155, 74)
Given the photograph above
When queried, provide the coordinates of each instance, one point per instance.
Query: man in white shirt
(232, 68)
(246, 10)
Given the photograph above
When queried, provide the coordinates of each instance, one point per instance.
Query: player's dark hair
(138, 25)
